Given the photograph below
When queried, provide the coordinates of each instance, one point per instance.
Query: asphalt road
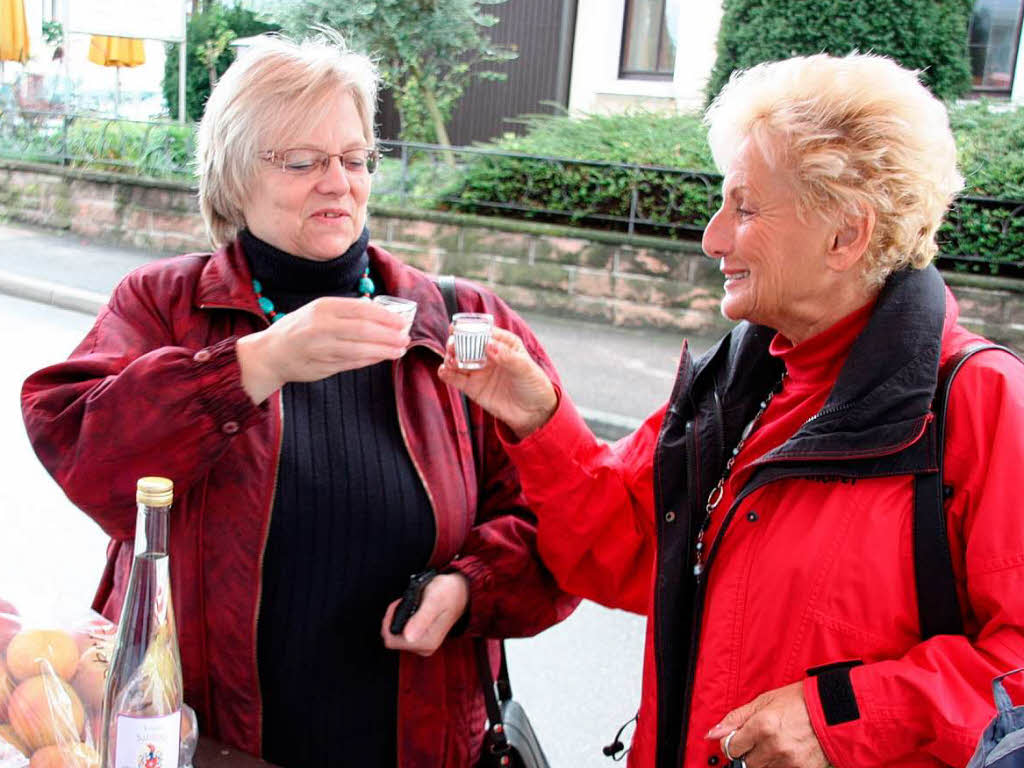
(578, 681)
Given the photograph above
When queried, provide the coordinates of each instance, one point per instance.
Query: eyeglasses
(303, 161)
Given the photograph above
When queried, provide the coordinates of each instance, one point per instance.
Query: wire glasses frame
(301, 161)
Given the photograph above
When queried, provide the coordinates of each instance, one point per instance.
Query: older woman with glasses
(317, 459)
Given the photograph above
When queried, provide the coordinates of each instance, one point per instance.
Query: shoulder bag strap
(483, 662)
(938, 607)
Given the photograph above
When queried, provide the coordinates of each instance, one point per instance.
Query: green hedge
(155, 150)
(990, 149)
(593, 194)
(990, 145)
(930, 35)
(203, 27)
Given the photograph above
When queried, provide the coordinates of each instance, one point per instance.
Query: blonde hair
(273, 88)
(858, 131)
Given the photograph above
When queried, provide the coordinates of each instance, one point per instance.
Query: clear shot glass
(471, 331)
(403, 307)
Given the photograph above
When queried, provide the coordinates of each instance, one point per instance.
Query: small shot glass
(403, 307)
(471, 331)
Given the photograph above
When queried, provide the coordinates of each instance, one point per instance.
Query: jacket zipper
(408, 448)
(266, 535)
(659, 511)
(696, 617)
(259, 588)
(719, 425)
(698, 601)
(827, 411)
(696, 624)
(437, 527)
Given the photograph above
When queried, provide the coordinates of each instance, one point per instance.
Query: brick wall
(602, 277)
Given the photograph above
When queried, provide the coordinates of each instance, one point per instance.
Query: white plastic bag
(51, 692)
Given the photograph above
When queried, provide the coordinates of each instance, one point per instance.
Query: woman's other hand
(774, 729)
(318, 340)
(444, 601)
(511, 387)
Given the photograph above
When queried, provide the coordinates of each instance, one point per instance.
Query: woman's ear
(851, 239)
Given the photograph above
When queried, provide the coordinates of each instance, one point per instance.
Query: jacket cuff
(838, 716)
(835, 691)
(480, 606)
(222, 397)
(821, 728)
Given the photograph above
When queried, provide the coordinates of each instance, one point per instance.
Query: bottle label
(147, 742)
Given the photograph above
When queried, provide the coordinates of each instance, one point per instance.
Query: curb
(608, 426)
(55, 294)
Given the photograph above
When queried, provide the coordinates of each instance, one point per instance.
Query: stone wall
(159, 216)
(561, 272)
(599, 276)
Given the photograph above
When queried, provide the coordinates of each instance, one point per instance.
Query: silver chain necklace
(715, 497)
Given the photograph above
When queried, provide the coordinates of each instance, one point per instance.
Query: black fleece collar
(884, 391)
(881, 398)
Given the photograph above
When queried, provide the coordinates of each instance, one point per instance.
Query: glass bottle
(143, 698)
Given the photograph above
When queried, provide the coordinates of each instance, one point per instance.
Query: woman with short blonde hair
(859, 131)
(763, 519)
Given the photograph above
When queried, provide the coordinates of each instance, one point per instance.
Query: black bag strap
(483, 661)
(447, 285)
(938, 608)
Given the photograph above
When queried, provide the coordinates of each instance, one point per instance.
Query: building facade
(658, 54)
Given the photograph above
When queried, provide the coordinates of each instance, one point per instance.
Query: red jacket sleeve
(512, 593)
(130, 402)
(938, 697)
(595, 504)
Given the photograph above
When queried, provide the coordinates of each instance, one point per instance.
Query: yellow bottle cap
(154, 491)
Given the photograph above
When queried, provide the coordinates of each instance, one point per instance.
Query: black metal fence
(983, 235)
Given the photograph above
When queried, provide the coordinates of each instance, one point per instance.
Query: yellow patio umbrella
(116, 52)
(13, 32)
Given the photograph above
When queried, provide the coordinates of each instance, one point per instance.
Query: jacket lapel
(882, 397)
(226, 281)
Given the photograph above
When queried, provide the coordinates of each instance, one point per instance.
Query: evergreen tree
(930, 35)
(427, 50)
(208, 53)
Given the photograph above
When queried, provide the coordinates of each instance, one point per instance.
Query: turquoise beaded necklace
(366, 288)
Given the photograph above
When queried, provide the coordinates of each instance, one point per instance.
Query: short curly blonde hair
(858, 131)
(273, 88)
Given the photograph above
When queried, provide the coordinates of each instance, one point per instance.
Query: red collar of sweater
(812, 367)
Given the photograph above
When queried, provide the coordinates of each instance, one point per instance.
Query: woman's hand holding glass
(322, 338)
(511, 386)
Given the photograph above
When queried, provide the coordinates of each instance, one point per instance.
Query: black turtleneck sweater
(351, 521)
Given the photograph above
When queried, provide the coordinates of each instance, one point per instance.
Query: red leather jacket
(154, 388)
(813, 562)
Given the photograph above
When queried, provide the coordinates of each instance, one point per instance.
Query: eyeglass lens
(354, 161)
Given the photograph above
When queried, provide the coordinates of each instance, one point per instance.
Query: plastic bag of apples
(51, 693)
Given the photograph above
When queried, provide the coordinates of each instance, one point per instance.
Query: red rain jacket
(822, 574)
(154, 389)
